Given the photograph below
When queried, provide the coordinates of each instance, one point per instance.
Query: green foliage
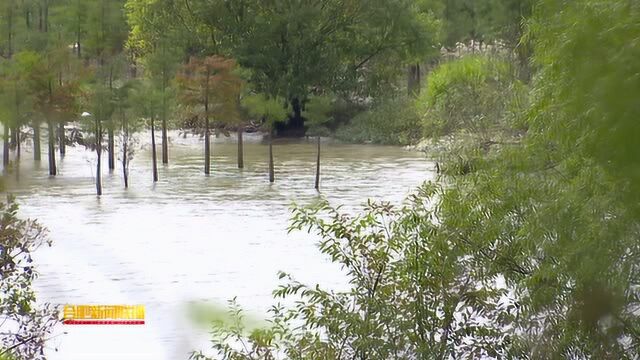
(407, 279)
(485, 20)
(292, 46)
(24, 324)
(268, 110)
(473, 94)
(317, 111)
(205, 314)
(393, 122)
(533, 254)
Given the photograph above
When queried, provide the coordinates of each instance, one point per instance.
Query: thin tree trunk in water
(62, 139)
(110, 140)
(18, 140)
(5, 147)
(318, 166)
(207, 148)
(52, 149)
(125, 141)
(240, 149)
(111, 149)
(271, 169)
(153, 149)
(51, 132)
(165, 144)
(207, 144)
(36, 141)
(99, 152)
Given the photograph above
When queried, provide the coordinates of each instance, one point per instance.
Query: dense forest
(524, 247)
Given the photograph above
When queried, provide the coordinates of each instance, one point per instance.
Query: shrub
(24, 325)
(414, 294)
(472, 93)
(392, 122)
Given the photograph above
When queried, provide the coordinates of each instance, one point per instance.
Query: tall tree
(210, 88)
(105, 43)
(148, 99)
(293, 47)
(159, 45)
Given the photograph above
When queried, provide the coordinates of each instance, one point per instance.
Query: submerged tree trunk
(165, 144)
(62, 139)
(125, 141)
(99, 153)
(36, 141)
(207, 144)
(18, 140)
(414, 80)
(111, 149)
(271, 169)
(153, 149)
(52, 148)
(240, 149)
(5, 147)
(318, 167)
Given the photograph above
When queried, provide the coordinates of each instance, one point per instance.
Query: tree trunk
(62, 139)
(18, 140)
(99, 153)
(318, 167)
(240, 149)
(271, 169)
(52, 148)
(5, 147)
(165, 144)
(153, 149)
(111, 149)
(125, 168)
(14, 139)
(414, 80)
(207, 144)
(36, 141)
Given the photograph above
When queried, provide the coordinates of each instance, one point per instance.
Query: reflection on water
(189, 236)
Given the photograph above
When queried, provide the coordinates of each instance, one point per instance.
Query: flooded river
(190, 236)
